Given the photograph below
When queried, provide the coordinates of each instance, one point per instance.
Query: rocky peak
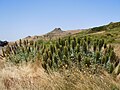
(57, 30)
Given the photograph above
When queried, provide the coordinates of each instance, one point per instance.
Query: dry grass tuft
(33, 77)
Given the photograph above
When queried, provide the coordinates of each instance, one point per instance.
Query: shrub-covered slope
(84, 61)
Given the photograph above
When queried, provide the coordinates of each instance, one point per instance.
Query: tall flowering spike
(61, 48)
(24, 42)
(74, 41)
(65, 59)
(38, 56)
(20, 42)
(94, 46)
(79, 57)
(100, 44)
(27, 42)
(31, 42)
(28, 50)
(45, 57)
(87, 62)
(35, 44)
(66, 51)
(111, 68)
(57, 44)
(51, 48)
(88, 40)
(16, 44)
(73, 44)
(78, 48)
(103, 60)
(59, 53)
(49, 61)
(85, 38)
(23, 49)
(62, 42)
(106, 58)
(66, 43)
(78, 40)
(81, 42)
(55, 59)
(69, 40)
(59, 41)
(105, 45)
(98, 57)
(112, 56)
(85, 47)
(3, 52)
(50, 55)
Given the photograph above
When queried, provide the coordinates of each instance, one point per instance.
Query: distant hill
(105, 27)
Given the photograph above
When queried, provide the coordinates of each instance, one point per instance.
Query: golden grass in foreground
(33, 77)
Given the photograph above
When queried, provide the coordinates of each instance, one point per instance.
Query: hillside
(64, 60)
(54, 34)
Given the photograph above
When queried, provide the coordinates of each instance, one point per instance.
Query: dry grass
(117, 49)
(33, 77)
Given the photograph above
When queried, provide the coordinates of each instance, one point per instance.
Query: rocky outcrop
(3, 43)
(57, 30)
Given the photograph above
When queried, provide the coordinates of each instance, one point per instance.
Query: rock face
(3, 43)
(57, 30)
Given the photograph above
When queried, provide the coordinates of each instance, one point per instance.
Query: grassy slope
(33, 77)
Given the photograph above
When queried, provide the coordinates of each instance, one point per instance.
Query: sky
(22, 18)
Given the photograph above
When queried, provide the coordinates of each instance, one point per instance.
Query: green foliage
(111, 68)
(66, 52)
(87, 62)
(73, 44)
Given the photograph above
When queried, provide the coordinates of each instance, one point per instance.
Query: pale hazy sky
(20, 18)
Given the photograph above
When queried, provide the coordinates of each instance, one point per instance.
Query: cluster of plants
(105, 27)
(81, 52)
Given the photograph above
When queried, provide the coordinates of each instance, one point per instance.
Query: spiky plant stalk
(103, 60)
(50, 55)
(45, 57)
(20, 42)
(69, 40)
(55, 59)
(94, 46)
(98, 57)
(66, 51)
(49, 62)
(85, 47)
(112, 56)
(57, 45)
(100, 44)
(111, 68)
(88, 40)
(105, 45)
(73, 44)
(66, 43)
(78, 48)
(3, 52)
(65, 59)
(79, 57)
(51, 48)
(24, 42)
(78, 40)
(61, 48)
(15, 44)
(87, 62)
(59, 54)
